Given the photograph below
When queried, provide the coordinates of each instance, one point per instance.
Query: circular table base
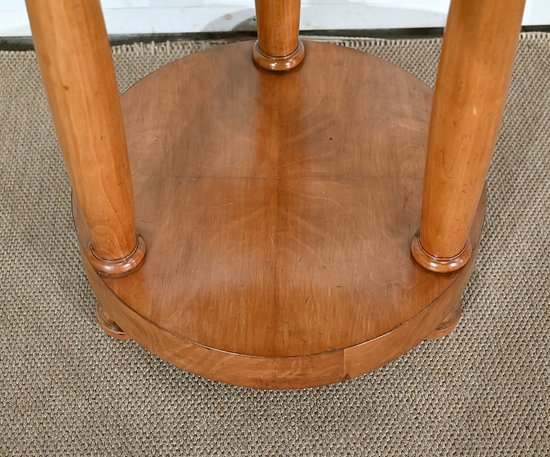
(278, 211)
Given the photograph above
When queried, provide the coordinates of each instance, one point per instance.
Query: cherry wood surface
(474, 74)
(278, 210)
(77, 69)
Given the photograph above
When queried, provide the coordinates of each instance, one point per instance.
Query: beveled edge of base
(119, 267)
(283, 63)
(440, 264)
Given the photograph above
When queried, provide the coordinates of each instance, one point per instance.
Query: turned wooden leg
(472, 83)
(77, 68)
(278, 47)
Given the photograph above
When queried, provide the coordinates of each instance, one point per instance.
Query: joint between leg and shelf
(440, 264)
(276, 63)
(118, 267)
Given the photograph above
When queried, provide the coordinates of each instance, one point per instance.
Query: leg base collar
(118, 267)
(278, 63)
(440, 264)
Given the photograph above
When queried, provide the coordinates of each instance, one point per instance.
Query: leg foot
(108, 325)
(448, 324)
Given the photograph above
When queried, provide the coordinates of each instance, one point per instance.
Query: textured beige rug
(66, 389)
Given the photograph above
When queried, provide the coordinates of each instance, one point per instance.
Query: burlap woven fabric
(66, 389)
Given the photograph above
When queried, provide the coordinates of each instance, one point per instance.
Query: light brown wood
(278, 47)
(473, 78)
(76, 64)
(278, 213)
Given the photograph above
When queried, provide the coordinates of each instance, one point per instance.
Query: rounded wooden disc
(278, 211)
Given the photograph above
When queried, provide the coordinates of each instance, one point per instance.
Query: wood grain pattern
(278, 211)
(77, 69)
(278, 47)
(473, 78)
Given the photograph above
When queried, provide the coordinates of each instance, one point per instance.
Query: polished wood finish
(75, 59)
(278, 213)
(474, 73)
(278, 47)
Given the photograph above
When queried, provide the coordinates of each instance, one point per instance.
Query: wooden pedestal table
(258, 231)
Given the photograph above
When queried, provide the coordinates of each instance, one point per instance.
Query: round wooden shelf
(278, 211)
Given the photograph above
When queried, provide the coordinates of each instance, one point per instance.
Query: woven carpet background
(66, 389)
